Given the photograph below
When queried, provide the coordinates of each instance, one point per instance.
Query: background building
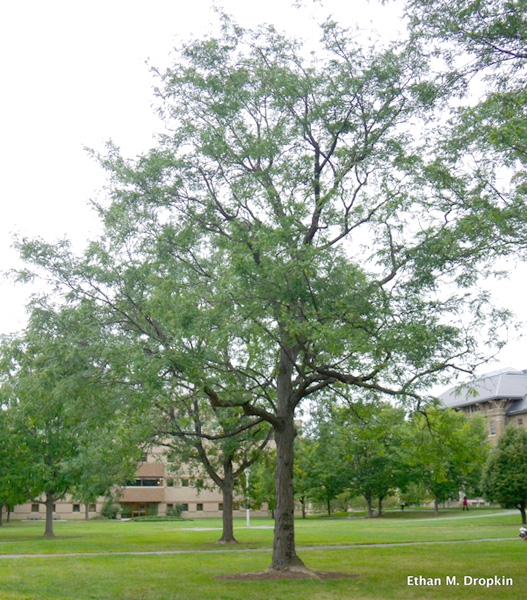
(501, 397)
(155, 491)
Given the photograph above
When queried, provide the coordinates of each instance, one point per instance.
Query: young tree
(505, 479)
(59, 408)
(12, 488)
(261, 482)
(284, 237)
(374, 439)
(322, 467)
(219, 445)
(447, 452)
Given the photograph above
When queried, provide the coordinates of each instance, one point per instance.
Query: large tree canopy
(289, 235)
(483, 47)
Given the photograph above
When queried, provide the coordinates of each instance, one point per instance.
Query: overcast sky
(74, 74)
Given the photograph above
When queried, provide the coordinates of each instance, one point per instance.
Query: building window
(236, 506)
(92, 507)
(151, 481)
(145, 482)
(492, 427)
(184, 506)
(170, 483)
(520, 421)
(184, 482)
(220, 506)
(199, 507)
(35, 508)
(76, 508)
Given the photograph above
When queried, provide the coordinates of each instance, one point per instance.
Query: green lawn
(382, 571)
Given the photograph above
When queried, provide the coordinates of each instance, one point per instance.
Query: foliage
(261, 253)
(65, 418)
(211, 444)
(324, 458)
(261, 482)
(505, 479)
(447, 451)
(484, 49)
(110, 508)
(375, 436)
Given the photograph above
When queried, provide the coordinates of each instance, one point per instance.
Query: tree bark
(227, 494)
(284, 552)
(1, 514)
(87, 511)
(49, 515)
(380, 507)
(522, 511)
(370, 507)
(436, 506)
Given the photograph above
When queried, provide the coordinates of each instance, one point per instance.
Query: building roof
(509, 384)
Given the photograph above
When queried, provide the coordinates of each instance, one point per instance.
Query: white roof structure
(508, 384)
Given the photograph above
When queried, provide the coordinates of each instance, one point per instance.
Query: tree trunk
(49, 515)
(8, 513)
(1, 514)
(380, 507)
(370, 507)
(329, 507)
(522, 511)
(303, 503)
(284, 552)
(227, 492)
(87, 511)
(436, 506)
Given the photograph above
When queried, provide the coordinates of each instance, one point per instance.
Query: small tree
(447, 451)
(61, 405)
(505, 478)
(214, 443)
(261, 481)
(328, 472)
(374, 435)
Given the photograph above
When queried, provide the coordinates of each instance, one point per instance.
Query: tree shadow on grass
(275, 575)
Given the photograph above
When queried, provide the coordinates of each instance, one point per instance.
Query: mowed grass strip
(202, 534)
(382, 574)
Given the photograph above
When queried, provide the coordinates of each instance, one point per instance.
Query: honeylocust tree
(212, 444)
(285, 237)
(482, 47)
(504, 479)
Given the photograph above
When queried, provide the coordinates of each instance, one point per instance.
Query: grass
(382, 570)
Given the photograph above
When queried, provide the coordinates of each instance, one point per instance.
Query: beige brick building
(154, 492)
(501, 398)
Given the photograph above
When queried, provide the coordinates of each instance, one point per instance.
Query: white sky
(73, 74)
